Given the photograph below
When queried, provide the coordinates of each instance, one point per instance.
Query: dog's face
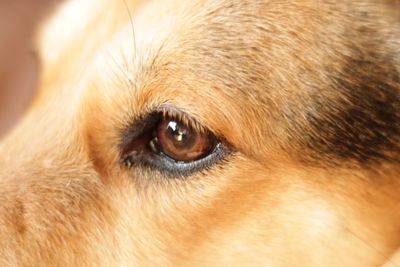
(203, 133)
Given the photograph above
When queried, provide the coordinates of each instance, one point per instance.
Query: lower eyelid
(170, 168)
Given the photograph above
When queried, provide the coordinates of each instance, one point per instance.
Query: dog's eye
(175, 147)
(181, 142)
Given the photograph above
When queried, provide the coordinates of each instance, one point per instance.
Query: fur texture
(306, 94)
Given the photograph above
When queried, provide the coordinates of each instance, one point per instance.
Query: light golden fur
(276, 79)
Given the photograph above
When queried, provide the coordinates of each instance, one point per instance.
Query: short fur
(306, 93)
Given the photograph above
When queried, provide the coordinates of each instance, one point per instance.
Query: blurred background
(19, 19)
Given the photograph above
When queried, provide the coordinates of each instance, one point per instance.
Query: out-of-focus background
(19, 19)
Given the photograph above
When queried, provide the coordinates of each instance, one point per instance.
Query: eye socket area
(172, 143)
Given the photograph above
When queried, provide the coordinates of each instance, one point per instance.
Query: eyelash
(157, 160)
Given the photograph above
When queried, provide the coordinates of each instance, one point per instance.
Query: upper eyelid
(139, 123)
(169, 111)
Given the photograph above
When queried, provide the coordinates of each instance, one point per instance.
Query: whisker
(133, 30)
(120, 69)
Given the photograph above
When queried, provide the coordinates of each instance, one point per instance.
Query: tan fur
(295, 87)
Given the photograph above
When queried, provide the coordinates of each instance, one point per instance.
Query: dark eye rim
(176, 169)
(161, 162)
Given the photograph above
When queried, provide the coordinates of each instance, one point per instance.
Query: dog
(208, 133)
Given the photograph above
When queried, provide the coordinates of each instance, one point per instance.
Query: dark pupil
(180, 135)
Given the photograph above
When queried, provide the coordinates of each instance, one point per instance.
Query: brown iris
(183, 143)
(172, 143)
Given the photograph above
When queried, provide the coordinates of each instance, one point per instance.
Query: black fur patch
(363, 123)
